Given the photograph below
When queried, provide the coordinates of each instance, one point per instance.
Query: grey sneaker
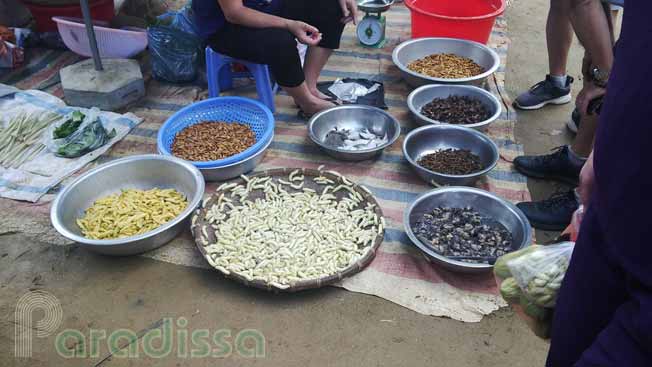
(574, 123)
(543, 93)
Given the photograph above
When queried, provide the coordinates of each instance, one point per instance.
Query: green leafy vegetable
(70, 126)
(92, 137)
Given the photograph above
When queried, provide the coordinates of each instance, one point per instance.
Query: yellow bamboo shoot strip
(131, 213)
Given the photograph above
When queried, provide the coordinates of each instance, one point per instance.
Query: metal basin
(375, 6)
(425, 94)
(137, 172)
(429, 139)
(418, 48)
(485, 203)
(234, 170)
(353, 117)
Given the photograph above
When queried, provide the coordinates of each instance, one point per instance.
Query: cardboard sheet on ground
(399, 273)
(36, 177)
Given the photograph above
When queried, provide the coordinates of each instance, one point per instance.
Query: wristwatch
(599, 77)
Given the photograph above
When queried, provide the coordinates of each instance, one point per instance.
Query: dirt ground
(325, 327)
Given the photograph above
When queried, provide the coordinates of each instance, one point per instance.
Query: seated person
(265, 32)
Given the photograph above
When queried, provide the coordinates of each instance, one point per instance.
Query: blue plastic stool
(220, 77)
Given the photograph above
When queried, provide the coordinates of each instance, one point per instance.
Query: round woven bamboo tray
(203, 231)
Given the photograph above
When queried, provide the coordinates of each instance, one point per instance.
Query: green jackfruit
(501, 269)
(542, 328)
(510, 290)
(531, 309)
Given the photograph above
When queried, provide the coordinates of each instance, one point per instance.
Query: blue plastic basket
(226, 109)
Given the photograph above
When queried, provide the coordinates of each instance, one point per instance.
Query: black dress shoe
(552, 214)
(555, 166)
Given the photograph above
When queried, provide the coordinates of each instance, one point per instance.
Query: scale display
(371, 29)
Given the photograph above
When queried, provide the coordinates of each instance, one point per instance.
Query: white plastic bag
(79, 139)
(540, 272)
(54, 144)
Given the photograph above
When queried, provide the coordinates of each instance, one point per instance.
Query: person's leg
(559, 37)
(316, 59)
(592, 289)
(275, 48)
(583, 143)
(556, 87)
(325, 15)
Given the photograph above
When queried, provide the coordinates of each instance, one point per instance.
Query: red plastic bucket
(465, 19)
(100, 10)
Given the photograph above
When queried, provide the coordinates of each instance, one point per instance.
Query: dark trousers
(277, 47)
(592, 290)
(603, 315)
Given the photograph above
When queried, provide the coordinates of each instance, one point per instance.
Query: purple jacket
(622, 198)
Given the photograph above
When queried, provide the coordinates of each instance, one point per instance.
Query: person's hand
(587, 178)
(586, 95)
(350, 11)
(305, 33)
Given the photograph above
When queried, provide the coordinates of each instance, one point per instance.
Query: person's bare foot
(315, 92)
(316, 105)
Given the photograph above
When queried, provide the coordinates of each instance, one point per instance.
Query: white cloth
(35, 178)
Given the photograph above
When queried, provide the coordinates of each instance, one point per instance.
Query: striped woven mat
(399, 273)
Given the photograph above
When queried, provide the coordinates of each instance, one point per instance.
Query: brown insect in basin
(211, 141)
(446, 66)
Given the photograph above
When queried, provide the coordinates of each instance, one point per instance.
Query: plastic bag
(538, 318)
(576, 223)
(183, 20)
(77, 134)
(174, 47)
(540, 272)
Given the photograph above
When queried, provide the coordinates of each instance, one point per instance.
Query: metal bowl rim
(391, 141)
(527, 238)
(494, 149)
(491, 96)
(192, 205)
(382, 8)
(404, 68)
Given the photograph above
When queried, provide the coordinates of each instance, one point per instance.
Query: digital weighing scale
(371, 29)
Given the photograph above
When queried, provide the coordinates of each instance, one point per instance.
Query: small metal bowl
(425, 94)
(236, 169)
(429, 139)
(137, 172)
(487, 204)
(418, 48)
(375, 6)
(354, 117)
